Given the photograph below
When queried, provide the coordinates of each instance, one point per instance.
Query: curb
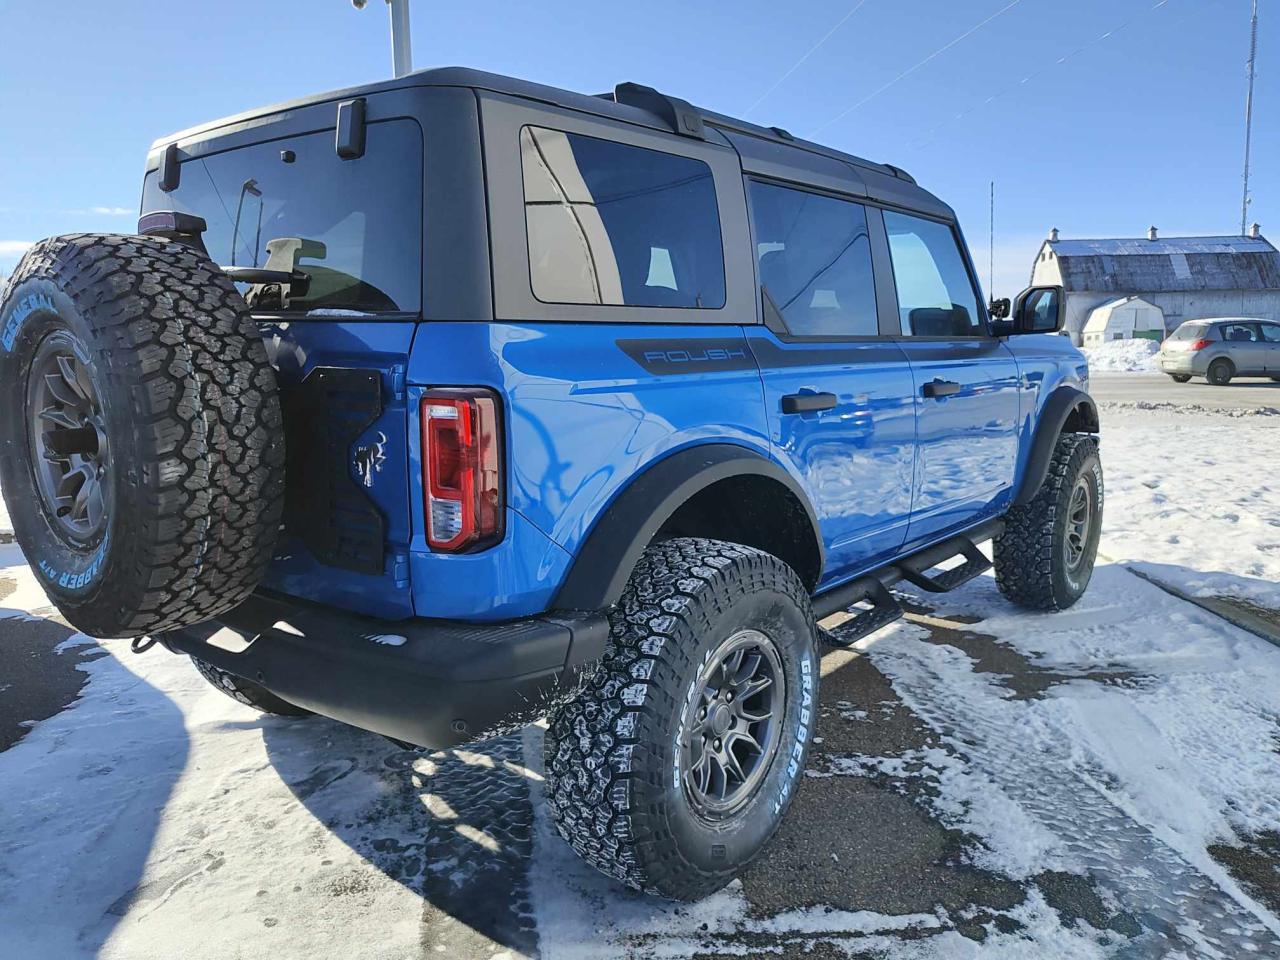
(1233, 611)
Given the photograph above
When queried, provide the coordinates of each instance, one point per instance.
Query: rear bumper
(1184, 363)
(434, 683)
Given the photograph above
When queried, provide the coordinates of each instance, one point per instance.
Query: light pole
(1248, 120)
(401, 53)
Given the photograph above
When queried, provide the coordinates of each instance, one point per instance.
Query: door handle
(940, 388)
(807, 402)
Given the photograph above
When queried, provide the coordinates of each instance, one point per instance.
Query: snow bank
(1123, 356)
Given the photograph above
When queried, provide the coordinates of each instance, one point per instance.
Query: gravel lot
(985, 782)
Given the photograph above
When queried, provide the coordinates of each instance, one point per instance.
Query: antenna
(401, 52)
(1248, 119)
(991, 247)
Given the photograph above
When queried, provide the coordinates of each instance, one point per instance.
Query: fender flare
(1062, 404)
(625, 526)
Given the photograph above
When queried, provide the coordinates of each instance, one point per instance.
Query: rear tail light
(1199, 345)
(462, 469)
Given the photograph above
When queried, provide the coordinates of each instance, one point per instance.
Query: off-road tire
(1220, 372)
(247, 692)
(1180, 377)
(189, 414)
(611, 753)
(1030, 566)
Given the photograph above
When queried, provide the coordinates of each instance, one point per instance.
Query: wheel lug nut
(717, 744)
(729, 696)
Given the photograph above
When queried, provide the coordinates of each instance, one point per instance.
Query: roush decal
(670, 357)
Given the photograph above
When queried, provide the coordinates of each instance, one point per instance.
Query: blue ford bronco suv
(443, 404)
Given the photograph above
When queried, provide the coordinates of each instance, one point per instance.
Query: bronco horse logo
(369, 459)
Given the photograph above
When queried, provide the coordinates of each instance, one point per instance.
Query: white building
(1126, 318)
(1187, 278)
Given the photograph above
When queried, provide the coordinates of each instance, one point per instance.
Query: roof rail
(679, 114)
(900, 173)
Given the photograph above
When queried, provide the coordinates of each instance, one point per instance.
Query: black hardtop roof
(905, 190)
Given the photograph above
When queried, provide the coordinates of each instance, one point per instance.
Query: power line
(928, 136)
(810, 52)
(910, 70)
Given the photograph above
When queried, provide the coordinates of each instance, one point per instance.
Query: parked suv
(442, 404)
(1222, 348)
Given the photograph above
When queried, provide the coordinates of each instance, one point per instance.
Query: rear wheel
(1044, 558)
(1220, 372)
(1180, 377)
(676, 762)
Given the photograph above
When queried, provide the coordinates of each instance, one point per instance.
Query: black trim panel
(611, 550)
(1057, 409)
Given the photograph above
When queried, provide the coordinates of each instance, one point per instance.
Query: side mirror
(1039, 310)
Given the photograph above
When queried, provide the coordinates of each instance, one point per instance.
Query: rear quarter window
(353, 226)
(611, 223)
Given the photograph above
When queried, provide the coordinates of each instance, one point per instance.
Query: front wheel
(1045, 556)
(1180, 377)
(676, 762)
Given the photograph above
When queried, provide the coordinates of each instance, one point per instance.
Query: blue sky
(1143, 127)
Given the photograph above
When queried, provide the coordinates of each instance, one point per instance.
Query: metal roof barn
(1185, 277)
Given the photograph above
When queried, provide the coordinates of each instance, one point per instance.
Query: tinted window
(1189, 331)
(609, 223)
(353, 226)
(935, 295)
(815, 261)
(1270, 332)
(1239, 332)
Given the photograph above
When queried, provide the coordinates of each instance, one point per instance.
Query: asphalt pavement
(1136, 388)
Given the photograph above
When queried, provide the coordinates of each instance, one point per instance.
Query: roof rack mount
(678, 114)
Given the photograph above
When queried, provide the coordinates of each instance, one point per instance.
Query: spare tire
(141, 440)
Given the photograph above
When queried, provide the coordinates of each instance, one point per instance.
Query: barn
(1187, 278)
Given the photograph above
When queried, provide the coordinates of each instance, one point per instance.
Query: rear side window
(1239, 332)
(815, 261)
(353, 226)
(936, 297)
(1270, 332)
(609, 223)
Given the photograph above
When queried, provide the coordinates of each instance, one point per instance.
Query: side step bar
(883, 610)
(873, 588)
(915, 569)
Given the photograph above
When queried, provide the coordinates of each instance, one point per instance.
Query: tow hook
(142, 644)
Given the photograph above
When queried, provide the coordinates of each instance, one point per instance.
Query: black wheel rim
(1079, 524)
(732, 724)
(69, 454)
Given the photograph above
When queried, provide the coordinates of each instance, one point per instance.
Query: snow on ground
(1194, 500)
(985, 782)
(1123, 356)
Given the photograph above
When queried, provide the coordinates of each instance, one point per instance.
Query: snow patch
(1123, 356)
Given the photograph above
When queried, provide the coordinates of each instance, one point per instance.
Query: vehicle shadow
(85, 789)
(455, 827)
(465, 831)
